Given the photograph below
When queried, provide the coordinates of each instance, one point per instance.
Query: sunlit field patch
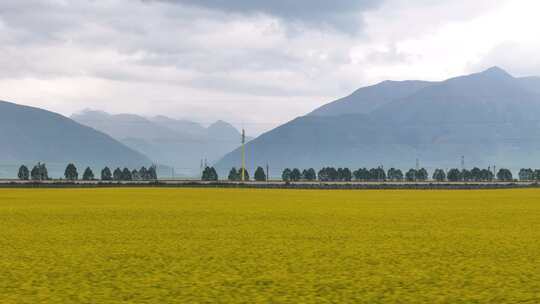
(269, 246)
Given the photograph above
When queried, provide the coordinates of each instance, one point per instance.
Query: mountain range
(180, 144)
(29, 135)
(490, 118)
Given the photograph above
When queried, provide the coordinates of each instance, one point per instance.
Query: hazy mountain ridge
(171, 142)
(367, 99)
(29, 135)
(489, 117)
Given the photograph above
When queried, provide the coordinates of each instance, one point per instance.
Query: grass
(269, 246)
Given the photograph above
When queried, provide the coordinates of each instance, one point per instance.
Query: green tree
(106, 174)
(328, 174)
(422, 175)
(344, 174)
(296, 175)
(39, 172)
(466, 175)
(537, 175)
(117, 174)
(377, 174)
(411, 175)
(439, 175)
(454, 175)
(126, 174)
(394, 175)
(209, 174)
(286, 175)
(246, 174)
(88, 174)
(152, 173)
(504, 175)
(361, 174)
(34, 174)
(486, 175)
(23, 174)
(71, 172)
(526, 175)
(143, 173)
(233, 175)
(476, 174)
(135, 175)
(309, 174)
(260, 175)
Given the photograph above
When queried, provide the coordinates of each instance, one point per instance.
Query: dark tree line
(330, 174)
(39, 172)
(326, 174)
(529, 175)
(295, 175)
(260, 175)
(236, 175)
(209, 174)
(143, 174)
(474, 175)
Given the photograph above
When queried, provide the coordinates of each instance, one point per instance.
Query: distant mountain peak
(497, 72)
(91, 111)
(220, 123)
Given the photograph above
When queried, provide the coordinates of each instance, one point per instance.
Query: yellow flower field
(269, 246)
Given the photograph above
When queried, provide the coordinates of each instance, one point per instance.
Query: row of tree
(236, 175)
(326, 174)
(210, 174)
(330, 174)
(529, 175)
(39, 172)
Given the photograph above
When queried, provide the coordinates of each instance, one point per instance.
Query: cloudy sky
(254, 63)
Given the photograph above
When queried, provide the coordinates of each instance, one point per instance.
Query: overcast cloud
(254, 63)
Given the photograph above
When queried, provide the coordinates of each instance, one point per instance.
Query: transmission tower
(201, 170)
(417, 169)
(243, 155)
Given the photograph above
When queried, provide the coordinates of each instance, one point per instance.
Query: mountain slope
(123, 125)
(531, 83)
(30, 134)
(176, 143)
(365, 100)
(180, 126)
(493, 96)
(489, 117)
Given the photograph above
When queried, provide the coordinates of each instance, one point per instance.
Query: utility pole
(267, 172)
(243, 155)
(201, 171)
(417, 169)
(462, 163)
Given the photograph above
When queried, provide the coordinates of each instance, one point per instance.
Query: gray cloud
(523, 59)
(264, 60)
(343, 15)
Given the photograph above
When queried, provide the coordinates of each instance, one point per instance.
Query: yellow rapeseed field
(269, 246)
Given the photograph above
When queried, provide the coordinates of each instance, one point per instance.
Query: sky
(256, 64)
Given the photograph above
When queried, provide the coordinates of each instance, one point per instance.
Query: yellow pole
(243, 155)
